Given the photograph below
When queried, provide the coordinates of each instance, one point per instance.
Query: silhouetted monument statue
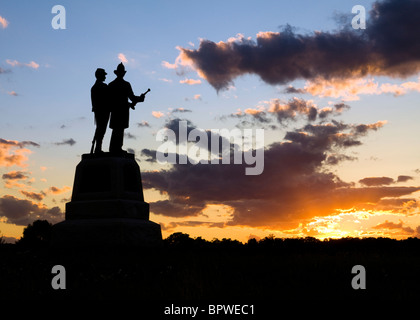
(120, 91)
(101, 108)
(107, 207)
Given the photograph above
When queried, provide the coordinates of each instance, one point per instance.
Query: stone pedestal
(107, 206)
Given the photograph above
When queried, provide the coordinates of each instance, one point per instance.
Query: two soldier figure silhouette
(111, 102)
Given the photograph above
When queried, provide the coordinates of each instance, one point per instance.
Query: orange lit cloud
(56, 191)
(122, 57)
(350, 89)
(190, 81)
(168, 65)
(157, 114)
(298, 182)
(396, 226)
(3, 22)
(15, 63)
(13, 152)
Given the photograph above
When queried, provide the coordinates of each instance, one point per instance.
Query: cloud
(177, 125)
(173, 225)
(33, 195)
(394, 226)
(296, 184)
(69, 142)
(168, 65)
(3, 22)
(143, 124)
(15, 63)
(128, 135)
(350, 89)
(190, 81)
(387, 47)
(149, 154)
(376, 181)
(15, 175)
(14, 152)
(157, 114)
(293, 109)
(291, 89)
(196, 97)
(404, 178)
(56, 191)
(180, 110)
(122, 57)
(4, 70)
(11, 179)
(22, 212)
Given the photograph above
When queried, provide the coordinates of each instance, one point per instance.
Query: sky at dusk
(339, 107)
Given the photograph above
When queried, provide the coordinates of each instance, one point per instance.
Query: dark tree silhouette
(179, 239)
(37, 234)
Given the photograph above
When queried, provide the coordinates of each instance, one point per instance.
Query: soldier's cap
(120, 69)
(100, 71)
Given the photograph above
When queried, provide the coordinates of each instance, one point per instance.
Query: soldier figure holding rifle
(119, 92)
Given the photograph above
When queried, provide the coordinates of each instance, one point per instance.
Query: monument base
(112, 232)
(111, 208)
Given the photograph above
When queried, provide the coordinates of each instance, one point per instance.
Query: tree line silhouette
(38, 235)
(196, 268)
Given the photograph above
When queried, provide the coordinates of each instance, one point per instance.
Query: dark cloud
(18, 144)
(292, 89)
(334, 159)
(295, 106)
(387, 47)
(180, 126)
(128, 135)
(149, 154)
(376, 181)
(22, 212)
(295, 184)
(15, 175)
(180, 110)
(404, 178)
(143, 124)
(34, 195)
(69, 142)
(292, 187)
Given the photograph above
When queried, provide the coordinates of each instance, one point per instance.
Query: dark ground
(186, 269)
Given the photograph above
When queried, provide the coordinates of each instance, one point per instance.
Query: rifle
(133, 104)
(93, 145)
